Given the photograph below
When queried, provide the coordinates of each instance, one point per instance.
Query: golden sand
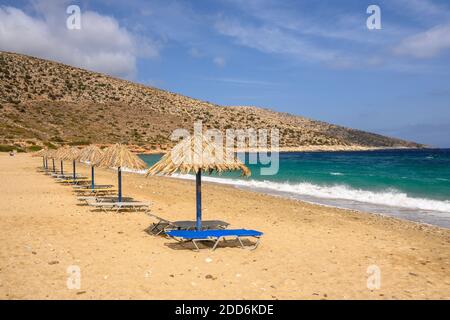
(307, 252)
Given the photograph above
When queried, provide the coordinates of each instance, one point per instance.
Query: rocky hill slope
(48, 103)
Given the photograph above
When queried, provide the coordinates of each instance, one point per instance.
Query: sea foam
(390, 197)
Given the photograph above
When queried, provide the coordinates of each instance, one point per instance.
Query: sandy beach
(307, 252)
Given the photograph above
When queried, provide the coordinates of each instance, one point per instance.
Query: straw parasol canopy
(51, 155)
(91, 154)
(196, 154)
(40, 153)
(69, 154)
(118, 156)
(44, 154)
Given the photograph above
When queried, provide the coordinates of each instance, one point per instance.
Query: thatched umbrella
(51, 155)
(91, 154)
(59, 153)
(42, 153)
(69, 154)
(194, 155)
(118, 156)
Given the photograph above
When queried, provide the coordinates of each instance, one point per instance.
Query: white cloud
(101, 45)
(421, 9)
(338, 38)
(272, 40)
(219, 61)
(426, 44)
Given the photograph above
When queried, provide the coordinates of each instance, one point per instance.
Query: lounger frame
(217, 240)
(164, 225)
(117, 206)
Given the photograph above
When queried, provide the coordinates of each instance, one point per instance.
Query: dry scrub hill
(48, 103)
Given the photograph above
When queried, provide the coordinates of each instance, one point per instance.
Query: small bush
(34, 148)
(80, 143)
(49, 145)
(7, 148)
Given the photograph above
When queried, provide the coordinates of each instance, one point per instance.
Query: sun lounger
(216, 236)
(77, 181)
(117, 206)
(96, 199)
(70, 177)
(163, 225)
(57, 175)
(88, 188)
(45, 171)
(97, 186)
(95, 192)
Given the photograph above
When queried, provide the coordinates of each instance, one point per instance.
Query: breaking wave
(390, 197)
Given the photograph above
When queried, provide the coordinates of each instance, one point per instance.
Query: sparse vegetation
(50, 145)
(6, 148)
(9, 148)
(80, 143)
(34, 148)
(57, 104)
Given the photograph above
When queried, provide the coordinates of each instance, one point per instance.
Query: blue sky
(311, 58)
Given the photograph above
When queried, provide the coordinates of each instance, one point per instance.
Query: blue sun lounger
(215, 236)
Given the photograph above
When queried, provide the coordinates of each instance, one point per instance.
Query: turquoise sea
(409, 184)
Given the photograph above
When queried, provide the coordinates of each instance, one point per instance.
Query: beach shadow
(209, 244)
(152, 231)
(81, 204)
(185, 245)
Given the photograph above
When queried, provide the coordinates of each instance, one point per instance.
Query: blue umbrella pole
(119, 176)
(198, 189)
(92, 177)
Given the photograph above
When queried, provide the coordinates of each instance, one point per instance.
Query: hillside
(48, 103)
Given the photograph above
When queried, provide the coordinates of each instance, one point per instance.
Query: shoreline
(400, 198)
(304, 149)
(158, 151)
(319, 201)
(384, 210)
(307, 251)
